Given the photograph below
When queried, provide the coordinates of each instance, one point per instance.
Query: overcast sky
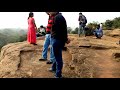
(19, 19)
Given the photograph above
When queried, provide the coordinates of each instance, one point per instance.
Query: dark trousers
(58, 63)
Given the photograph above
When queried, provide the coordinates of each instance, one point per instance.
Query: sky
(19, 19)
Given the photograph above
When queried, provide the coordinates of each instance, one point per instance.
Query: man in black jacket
(82, 23)
(59, 38)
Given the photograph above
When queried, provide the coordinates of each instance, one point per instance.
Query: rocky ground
(86, 57)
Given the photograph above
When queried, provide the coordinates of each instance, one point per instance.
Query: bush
(91, 27)
(89, 31)
(75, 31)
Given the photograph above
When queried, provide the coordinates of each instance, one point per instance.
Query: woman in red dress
(31, 36)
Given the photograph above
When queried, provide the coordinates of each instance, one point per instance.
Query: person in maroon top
(47, 42)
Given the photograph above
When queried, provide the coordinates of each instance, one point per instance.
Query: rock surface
(86, 57)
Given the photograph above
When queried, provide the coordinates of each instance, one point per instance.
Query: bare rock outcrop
(20, 60)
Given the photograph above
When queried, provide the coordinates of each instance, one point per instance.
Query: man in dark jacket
(82, 23)
(59, 38)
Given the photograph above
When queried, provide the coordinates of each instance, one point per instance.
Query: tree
(109, 24)
(91, 27)
(69, 29)
(116, 22)
(75, 31)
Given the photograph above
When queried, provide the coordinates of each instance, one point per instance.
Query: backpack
(85, 19)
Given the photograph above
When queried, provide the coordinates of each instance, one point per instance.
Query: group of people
(98, 32)
(56, 37)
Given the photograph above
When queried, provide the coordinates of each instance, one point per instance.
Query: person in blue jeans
(98, 32)
(82, 23)
(58, 38)
(47, 42)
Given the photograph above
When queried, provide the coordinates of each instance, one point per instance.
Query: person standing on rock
(47, 42)
(82, 23)
(58, 37)
(31, 35)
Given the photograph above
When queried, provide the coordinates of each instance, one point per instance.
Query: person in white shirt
(42, 30)
(98, 32)
(101, 25)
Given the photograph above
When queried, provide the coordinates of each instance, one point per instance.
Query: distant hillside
(12, 36)
(3, 39)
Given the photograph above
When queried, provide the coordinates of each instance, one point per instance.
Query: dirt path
(105, 66)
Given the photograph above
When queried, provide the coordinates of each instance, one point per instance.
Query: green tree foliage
(112, 24)
(116, 23)
(109, 24)
(92, 27)
(69, 30)
(75, 31)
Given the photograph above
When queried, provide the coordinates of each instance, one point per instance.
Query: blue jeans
(58, 63)
(98, 34)
(81, 29)
(47, 43)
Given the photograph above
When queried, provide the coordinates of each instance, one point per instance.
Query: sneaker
(64, 48)
(34, 44)
(49, 62)
(42, 59)
(58, 77)
(51, 70)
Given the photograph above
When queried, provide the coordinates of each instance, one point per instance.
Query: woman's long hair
(30, 15)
